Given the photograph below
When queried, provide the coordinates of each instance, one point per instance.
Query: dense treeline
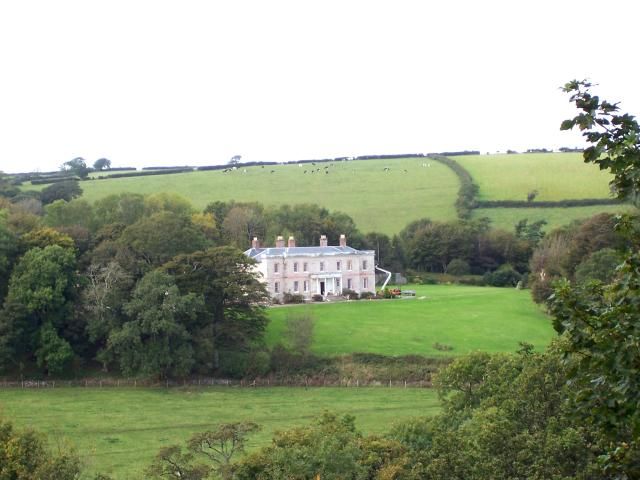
(114, 283)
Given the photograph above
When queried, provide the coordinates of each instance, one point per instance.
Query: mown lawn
(465, 318)
(118, 431)
(556, 176)
(377, 200)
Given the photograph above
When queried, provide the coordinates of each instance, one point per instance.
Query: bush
(350, 294)
(292, 298)
(505, 276)
(317, 298)
(367, 295)
(457, 266)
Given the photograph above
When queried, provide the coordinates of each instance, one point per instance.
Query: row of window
(305, 285)
(305, 266)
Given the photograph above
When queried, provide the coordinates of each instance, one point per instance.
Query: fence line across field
(211, 382)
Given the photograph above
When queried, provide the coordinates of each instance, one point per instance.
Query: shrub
(505, 276)
(457, 266)
(292, 298)
(442, 347)
(367, 295)
(317, 298)
(350, 294)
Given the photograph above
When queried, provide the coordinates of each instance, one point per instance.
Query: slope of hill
(377, 199)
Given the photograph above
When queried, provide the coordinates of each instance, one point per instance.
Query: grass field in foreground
(118, 431)
(556, 176)
(466, 318)
(377, 200)
(507, 218)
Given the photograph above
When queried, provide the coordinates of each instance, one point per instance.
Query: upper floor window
(322, 266)
(349, 265)
(364, 264)
(338, 265)
(295, 266)
(276, 267)
(284, 267)
(305, 267)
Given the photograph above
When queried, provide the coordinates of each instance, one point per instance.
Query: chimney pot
(323, 240)
(292, 242)
(343, 240)
(255, 243)
(279, 241)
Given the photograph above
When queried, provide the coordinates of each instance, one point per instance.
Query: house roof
(260, 253)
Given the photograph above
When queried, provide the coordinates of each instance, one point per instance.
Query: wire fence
(213, 382)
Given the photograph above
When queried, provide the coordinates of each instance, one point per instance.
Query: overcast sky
(159, 82)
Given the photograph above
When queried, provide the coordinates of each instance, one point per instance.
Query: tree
(154, 240)
(171, 462)
(40, 296)
(24, 455)
(235, 160)
(77, 166)
(598, 266)
(221, 445)
(600, 322)
(157, 339)
(233, 318)
(102, 164)
(298, 333)
(67, 190)
(62, 213)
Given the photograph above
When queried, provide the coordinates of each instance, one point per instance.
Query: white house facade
(324, 270)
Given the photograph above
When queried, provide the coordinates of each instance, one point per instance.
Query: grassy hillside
(506, 218)
(118, 431)
(466, 318)
(556, 176)
(377, 200)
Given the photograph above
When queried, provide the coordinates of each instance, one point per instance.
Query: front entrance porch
(326, 284)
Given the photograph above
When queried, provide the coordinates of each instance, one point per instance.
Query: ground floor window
(305, 284)
(295, 286)
(365, 283)
(349, 283)
(337, 283)
(276, 287)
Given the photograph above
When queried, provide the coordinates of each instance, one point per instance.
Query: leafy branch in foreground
(614, 138)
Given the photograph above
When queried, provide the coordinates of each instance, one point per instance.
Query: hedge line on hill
(466, 200)
(143, 173)
(582, 202)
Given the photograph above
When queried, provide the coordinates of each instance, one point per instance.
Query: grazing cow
(305, 171)
(273, 171)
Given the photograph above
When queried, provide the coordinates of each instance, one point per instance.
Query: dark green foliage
(457, 266)
(578, 202)
(77, 166)
(233, 318)
(600, 266)
(505, 276)
(613, 138)
(41, 293)
(466, 200)
(102, 164)
(157, 338)
(67, 190)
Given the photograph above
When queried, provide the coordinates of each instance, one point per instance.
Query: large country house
(325, 270)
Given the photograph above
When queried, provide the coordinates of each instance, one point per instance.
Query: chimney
(343, 240)
(279, 241)
(323, 240)
(255, 243)
(292, 242)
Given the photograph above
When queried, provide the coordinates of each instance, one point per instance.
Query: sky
(156, 82)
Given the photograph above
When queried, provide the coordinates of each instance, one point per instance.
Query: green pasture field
(118, 431)
(465, 318)
(556, 176)
(377, 200)
(507, 218)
